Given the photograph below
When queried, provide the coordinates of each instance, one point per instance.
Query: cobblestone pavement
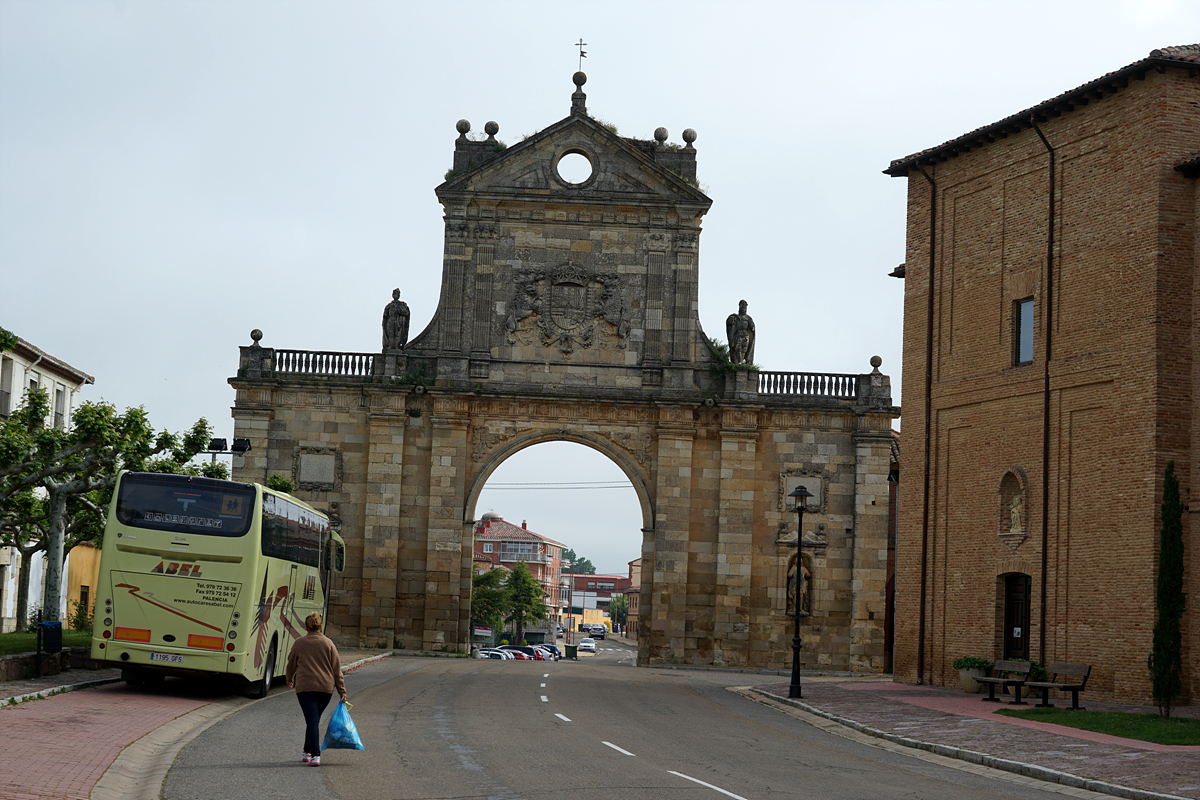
(58, 747)
(949, 717)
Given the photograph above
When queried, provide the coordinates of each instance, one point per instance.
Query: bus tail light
(106, 634)
(229, 647)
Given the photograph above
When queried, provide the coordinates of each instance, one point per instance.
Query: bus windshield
(184, 504)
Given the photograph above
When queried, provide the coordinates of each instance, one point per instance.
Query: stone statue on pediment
(395, 323)
(739, 328)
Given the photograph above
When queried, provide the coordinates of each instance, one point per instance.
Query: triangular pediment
(620, 171)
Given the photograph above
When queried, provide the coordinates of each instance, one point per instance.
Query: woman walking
(315, 670)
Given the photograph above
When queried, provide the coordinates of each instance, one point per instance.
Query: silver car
(587, 645)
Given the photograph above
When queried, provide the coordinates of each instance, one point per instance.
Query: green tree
(1166, 654)
(526, 600)
(55, 483)
(579, 566)
(8, 340)
(489, 599)
(618, 609)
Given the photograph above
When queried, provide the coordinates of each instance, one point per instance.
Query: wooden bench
(1018, 673)
(1057, 672)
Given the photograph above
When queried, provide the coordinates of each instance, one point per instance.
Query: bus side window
(339, 559)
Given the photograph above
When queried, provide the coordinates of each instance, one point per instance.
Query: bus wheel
(261, 687)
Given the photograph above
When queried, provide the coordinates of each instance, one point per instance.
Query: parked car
(492, 652)
(598, 631)
(550, 650)
(531, 652)
(587, 645)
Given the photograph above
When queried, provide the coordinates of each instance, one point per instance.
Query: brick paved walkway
(953, 718)
(57, 748)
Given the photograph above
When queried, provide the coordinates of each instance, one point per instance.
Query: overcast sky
(174, 174)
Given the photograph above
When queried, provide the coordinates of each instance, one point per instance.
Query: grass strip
(26, 641)
(1143, 727)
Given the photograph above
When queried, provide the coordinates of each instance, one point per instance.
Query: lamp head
(801, 494)
(216, 445)
(241, 445)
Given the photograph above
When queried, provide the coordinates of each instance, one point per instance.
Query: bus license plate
(170, 658)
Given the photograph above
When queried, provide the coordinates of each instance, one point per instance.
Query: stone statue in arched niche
(1013, 517)
(804, 574)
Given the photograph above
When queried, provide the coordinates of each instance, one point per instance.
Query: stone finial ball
(876, 361)
(463, 126)
(579, 79)
(256, 335)
(689, 135)
(491, 128)
(660, 135)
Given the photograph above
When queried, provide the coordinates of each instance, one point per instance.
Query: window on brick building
(1023, 331)
(487, 547)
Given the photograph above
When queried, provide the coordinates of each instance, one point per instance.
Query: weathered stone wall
(568, 313)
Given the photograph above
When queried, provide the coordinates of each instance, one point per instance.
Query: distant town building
(504, 544)
(23, 369)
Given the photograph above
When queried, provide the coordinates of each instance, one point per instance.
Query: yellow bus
(202, 576)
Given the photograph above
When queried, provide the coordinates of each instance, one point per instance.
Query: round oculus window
(574, 168)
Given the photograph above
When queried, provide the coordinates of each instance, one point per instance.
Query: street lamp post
(801, 494)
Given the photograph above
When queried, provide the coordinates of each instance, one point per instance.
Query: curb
(53, 690)
(983, 759)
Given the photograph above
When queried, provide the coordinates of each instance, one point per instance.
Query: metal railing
(810, 384)
(311, 362)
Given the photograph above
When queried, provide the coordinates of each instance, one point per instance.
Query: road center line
(547, 675)
(543, 686)
(708, 785)
(560, 716)
(619, 750)
(544, 700)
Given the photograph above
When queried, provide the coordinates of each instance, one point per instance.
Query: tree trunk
(54, 555)
(22, 621)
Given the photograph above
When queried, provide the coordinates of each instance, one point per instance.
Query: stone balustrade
(814, 384)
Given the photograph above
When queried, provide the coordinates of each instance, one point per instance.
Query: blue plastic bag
(341, 733)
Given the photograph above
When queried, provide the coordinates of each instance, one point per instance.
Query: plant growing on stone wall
(1166, 654)
(721, 365)
(279, 483)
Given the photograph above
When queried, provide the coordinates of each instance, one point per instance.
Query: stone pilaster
(869, 568)
(253, 424)
(735, 535)
(381, 531)
(444, 603)
(663, 619)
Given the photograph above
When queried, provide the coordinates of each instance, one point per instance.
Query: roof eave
(1022, 120)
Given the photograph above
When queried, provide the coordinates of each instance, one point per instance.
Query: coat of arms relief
(572, 308)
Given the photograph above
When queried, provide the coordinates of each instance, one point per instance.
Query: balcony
(528, 558)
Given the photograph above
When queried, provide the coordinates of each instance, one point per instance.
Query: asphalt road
(595, 730)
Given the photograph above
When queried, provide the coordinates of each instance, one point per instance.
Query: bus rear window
(183, 504)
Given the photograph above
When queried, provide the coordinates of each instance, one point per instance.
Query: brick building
(1050, 373)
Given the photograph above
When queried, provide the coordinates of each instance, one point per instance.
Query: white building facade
(22, 370)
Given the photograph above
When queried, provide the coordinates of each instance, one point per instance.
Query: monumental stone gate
(568, 312)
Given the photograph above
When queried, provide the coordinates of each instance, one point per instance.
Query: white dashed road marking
(560, 716)
(708, 785)
(544, 700)
(619, 750)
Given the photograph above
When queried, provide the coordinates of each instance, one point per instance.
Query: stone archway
(568, 312)
(505, 449)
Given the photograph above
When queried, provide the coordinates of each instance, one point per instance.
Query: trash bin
(50, 636)
(572, 651)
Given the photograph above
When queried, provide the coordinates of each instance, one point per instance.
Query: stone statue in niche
(395, 323)
(1016, 512)
(739, 328)
(805, 583)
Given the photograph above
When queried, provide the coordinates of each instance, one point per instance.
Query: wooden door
(1016, 615)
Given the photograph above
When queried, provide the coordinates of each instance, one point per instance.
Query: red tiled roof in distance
(493, 528)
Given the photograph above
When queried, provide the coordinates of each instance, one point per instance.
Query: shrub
(971, 662)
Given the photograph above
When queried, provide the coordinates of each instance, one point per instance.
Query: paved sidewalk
(59, 747)
(949, 722)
